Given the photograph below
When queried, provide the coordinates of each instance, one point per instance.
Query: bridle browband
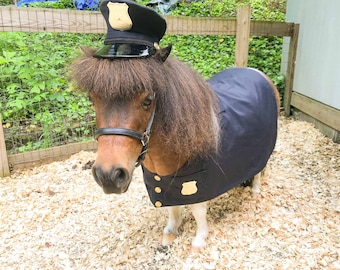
(142, 137)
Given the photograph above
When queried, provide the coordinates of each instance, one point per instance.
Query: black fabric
(248, 113)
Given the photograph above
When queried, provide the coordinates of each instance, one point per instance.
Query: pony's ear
(163, 53)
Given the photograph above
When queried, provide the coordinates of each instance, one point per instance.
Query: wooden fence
(13, 19)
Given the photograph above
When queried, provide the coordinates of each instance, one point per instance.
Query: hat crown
(129, 22)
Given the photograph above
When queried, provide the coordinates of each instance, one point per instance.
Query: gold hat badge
(119, 17)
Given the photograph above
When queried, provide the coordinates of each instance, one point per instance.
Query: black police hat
(132, 30)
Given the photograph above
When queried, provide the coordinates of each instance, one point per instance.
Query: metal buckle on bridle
(145, 144)
(145, 140)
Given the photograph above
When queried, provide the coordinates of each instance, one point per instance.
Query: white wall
(317, 70)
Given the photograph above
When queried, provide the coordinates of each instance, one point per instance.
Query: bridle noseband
(142, 137)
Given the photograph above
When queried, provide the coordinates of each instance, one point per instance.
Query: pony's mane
(186, 118)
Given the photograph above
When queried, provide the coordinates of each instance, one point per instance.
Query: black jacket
(248, 113)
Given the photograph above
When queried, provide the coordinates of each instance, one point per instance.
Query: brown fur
(185, 103)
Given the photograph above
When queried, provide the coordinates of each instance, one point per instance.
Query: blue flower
(87, 4)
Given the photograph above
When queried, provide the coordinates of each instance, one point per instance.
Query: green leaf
(41, 85)
(3, 61)
(60, 98)
(35, 89)
(12, 87)
(8, 55)
(18, 104)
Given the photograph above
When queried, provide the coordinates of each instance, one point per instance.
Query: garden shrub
(6, 2)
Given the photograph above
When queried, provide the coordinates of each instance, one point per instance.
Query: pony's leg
(199, 210)
(171, 229)
(256, 183)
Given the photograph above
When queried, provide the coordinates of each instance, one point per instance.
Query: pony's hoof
(198, 243)
(256, 190)
(168, 239)
(194, 251)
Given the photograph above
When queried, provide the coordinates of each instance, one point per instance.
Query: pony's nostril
(120, 176)
(98, 175)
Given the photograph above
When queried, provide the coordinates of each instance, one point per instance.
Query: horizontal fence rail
(13, 19)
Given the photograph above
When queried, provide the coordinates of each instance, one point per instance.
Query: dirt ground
(56, 217)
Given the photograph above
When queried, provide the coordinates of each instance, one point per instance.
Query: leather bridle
(142, 137)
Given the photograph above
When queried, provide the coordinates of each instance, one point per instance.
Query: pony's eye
(147, 102)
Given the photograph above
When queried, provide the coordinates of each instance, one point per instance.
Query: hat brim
(125, 50)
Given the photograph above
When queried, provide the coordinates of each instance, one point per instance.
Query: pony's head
(137, 90)
(125, 94)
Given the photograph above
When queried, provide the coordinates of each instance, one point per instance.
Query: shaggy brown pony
(186, 108)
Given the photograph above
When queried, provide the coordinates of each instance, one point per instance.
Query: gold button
(158, 204)
(157, 178)
(158, 190)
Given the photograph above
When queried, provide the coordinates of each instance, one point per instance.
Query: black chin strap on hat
(142, 137)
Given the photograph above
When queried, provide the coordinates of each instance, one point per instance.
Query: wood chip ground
(56, 217)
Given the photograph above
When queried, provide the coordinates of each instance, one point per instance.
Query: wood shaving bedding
(56, 217)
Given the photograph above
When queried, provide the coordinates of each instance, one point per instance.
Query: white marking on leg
(256, 184)
(171, 229)
(199, 210)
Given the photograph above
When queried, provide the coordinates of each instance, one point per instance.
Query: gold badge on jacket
(189, 188)
(119, 17)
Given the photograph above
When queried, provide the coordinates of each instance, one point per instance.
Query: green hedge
(6, 2)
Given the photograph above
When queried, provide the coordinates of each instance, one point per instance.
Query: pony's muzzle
(116, 180)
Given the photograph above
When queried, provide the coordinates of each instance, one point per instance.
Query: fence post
(4, 168)
(242, 35)
(290, 69)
